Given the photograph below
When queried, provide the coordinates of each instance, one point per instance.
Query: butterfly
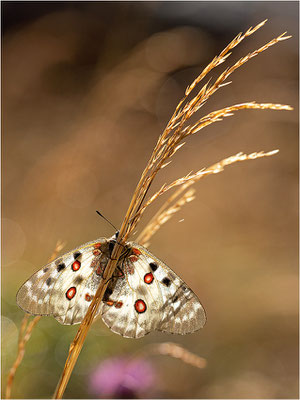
(143, 295)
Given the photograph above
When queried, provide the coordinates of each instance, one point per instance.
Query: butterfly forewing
(181, 311)
(64, 287)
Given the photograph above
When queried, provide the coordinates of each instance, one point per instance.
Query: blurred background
(86, 89)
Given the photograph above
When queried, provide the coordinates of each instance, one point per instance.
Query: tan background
(87, 89)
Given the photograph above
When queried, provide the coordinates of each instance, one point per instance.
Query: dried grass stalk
(25, 334)
(176, 131)
(23, 339)
(167, 145)
(173, 350)
(176, 351)
(79, 339)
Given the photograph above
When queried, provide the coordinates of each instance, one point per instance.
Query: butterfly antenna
(99, 213)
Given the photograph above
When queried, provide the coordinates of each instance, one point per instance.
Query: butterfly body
(143, 295)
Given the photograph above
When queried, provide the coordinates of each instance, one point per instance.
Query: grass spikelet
(223, 55)
(218, 115)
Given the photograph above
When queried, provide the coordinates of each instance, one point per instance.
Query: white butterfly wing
(124, 320)
(147, 296)
(64, 287)
(151, 297)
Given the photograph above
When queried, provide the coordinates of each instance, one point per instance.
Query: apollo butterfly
(143, 295)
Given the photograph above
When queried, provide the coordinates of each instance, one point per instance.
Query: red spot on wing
(110, 303)
(136, 251)
(76, 265)
(133, 258)
(99, 270)
(97, 245)
(70, 293)
(119, 304)
(148, 278)
(140, 306)
(129, 268)
(88, 297)
(96, 252)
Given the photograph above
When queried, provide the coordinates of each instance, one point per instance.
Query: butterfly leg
(119, 275)
(122, 275)
(111, 278)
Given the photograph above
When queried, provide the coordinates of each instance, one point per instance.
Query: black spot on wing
(45, 269)
(60, 267)
(177, 295)
(48, 281)
(166, 281)
(174, 299)
(172, 276)
(78, 280)
(153, 266)
(142, 290)
(76, 254)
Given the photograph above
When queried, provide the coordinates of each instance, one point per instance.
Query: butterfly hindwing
(132, 309)
(149, 297)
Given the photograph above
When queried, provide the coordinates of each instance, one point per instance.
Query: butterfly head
(112, 241)
(111, 245)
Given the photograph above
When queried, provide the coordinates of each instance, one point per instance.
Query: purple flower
(122, 378)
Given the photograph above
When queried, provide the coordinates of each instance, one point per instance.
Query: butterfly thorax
(108, 246)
